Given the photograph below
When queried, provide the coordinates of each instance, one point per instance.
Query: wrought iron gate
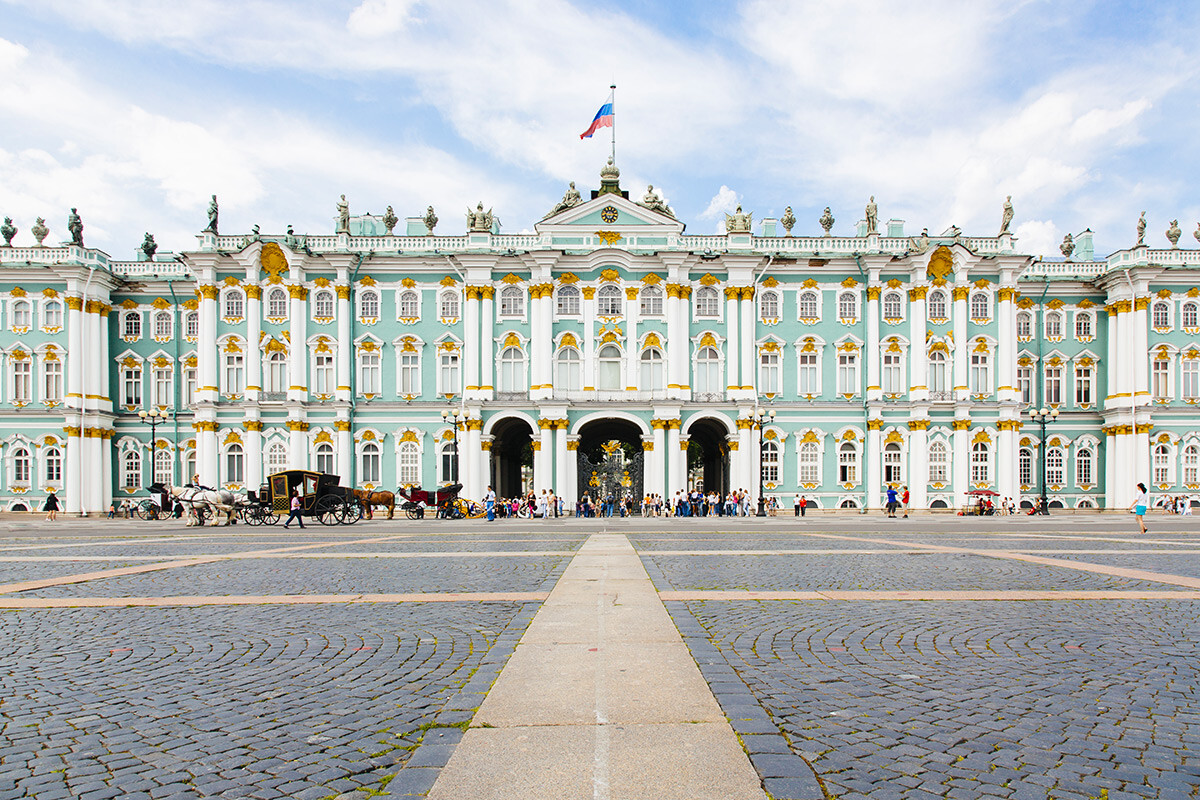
(617, 474)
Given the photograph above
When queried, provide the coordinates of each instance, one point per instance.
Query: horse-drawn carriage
(320, 495)
(446, 500)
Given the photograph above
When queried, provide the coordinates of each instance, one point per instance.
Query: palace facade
(887, 359)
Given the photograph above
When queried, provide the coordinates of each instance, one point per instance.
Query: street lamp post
(154, 416)
(760, 420)
(454, 417)
(1043, 416)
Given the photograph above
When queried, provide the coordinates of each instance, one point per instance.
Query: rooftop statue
(212, 216)
(480, 221)
(1173, 233)
(570, 199)
(1196, 232)
(430, 219)
(653, 202)
(75, 226)
(389, 220)
(1007, 216)
(827, 220)
(872, 216)
(737, 222)
(149, 246)
(40, 231)
(343, 209)
(920, 243)
(1141, 230)
(8, 231)
(1068, 246)
(788, 220)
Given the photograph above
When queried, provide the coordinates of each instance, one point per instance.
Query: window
(235, 373)
(410, 464)
(652, 302)
(369, 473)
(189, 463)
(1024, 325)
(937, 305)
(1053, 325)
(131, 469)
(981, 373)
(1162, 464)
(277, 303)
(191, 325)
(847, 463)
(893, 471)
(131, 386)
(937, 372)
(325, 461)
(708, 370)
(608, 301)
(770, 462)
(810, 463)
(52, 314)
(234, 463)
(1083, 467)
(980, 469)
(651, 377)
(410, 305)
(891, 307)
(53, 463)
(1053, 384)
(1191, 465)
(938, 462)
(512, 371)
(162, 467)
(609, 377)
(512, 302)
(769, 305)
(1191, 379)
(1025, 383)
(707, 302)
(277, 367)
(162, 395)
(448, 305)
(410, 374)
(131, 325)
(568, 301)
(448, 366)
(893, 380)
(847, 306)
(810, 375)
(768, 373)
(368, 305)
(21, 314)
(234, 304)
(1084, 394)
(1162, 315)
(1056, 473)
(1025, 466)
(368, 373)
(323, 305)
(1160, 379)
(1189, 316)
(449, 467)
(277, 458)
(808, 305)
(979, 306)
(162, 325)
(189, 389)
(847, 373)
(1083, 325)
(566, 370)
(52, 380)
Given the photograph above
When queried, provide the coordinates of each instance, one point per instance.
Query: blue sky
(137, 111)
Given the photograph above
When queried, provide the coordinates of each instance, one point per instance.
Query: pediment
(609, 212)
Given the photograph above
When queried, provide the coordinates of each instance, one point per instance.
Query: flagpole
(614, 122)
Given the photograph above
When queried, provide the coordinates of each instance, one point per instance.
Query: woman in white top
(1139, 506)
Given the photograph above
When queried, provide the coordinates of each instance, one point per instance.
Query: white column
(75, 356)
(1110, 468)
(344, 439)
(252, 461)
(471, 339)
(677, 344)
(733, 327)
(543, 461)
(918, 464)
(960, 468)
(254, 356)
(747, 473)
(918, 354)
(560, 458)
(570, 492)
(485, 335)
(874, 390)
(538, 353)
(1006, 460)
(675, 478)
(655, 466)
(874, 465)
(207, 452)
(1141, 394)
(298, 348)
(632, 352)
(345, 348)
(961, 389)
(74, 466)
(106, 471)
(470, 456)
(589, 338)
(298, 447)
(1006, 369)
(749, 341)
(206, 350)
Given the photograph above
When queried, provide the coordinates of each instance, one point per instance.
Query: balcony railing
(708, 397)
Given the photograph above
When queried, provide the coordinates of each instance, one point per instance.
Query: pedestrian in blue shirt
(891, 502)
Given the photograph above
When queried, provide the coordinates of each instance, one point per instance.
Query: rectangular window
(449, 373)
(235, 373)
(323, 374)
(368, 379)
(131, 386)
(1025, 384)
(410, 374)
(53, 374)
(847, 374)
(768, 375)
(892, 379)
(1083, 386)
(1191, 379)
(809, 375)
(23, 381)
(1053, 385)
(1160, 379)
(981, 373)
(1025, 468)
(162, 387)
(189, 386)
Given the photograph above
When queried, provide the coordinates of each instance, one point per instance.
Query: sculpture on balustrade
(343, 209)
(920, 244)
(788, 220)
(1007, 217)
(149, 246)
(75, 226)
(1173, 233)
(430, 219)
(40, 231)
(389, 220)
(1196, 232)
(212, 216)
(872, 216)
(1141, 230)
(737, 222)
(827, 220)
(570, 199)
(1068, 246)
(8, 231)
(653, 202)
(480, 221)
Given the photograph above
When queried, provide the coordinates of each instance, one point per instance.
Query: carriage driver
(197, 485)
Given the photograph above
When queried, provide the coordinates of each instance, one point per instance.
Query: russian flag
(604, 119)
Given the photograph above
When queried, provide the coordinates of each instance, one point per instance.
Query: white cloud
(725, 201)
(1039, 238)
(380, 17)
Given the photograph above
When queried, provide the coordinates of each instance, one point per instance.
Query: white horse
(214, 500)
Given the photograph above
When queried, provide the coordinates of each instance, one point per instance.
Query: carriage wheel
(253, 515)
(352, 512)
(327, 510)
(269, 517)
(413, 512)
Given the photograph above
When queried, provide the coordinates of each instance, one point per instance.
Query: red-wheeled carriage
(443, 499)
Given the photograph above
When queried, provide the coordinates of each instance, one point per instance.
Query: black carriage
(320, 494)
(445, 500)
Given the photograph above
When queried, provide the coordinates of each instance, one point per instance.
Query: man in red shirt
(904, 500)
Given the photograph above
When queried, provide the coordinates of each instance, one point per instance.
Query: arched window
(1162, 464)
(1083, 325)
(131, 327)
(651, 301)
(938, 462)
(651, 378)
(162, 325)
(325, 462)
(891, 306)
(162, 467)
(1053, 325)
(410, 305)
(707, 302)
(847, 306)
(191, 325)
(937, 371)
(21, 314)
(1025, 466)
(369, 470)
(608, 301)
(410, 464)
(937, 304)
(368, 305)
(189, 464)
(770, 462)
(277, 303)
(810, 463)
(609, 359)
(808, 305)
(1024, 325)
(1188, 316)
(769, 305)
(847, 463)
(1056, 473)
(979, 306)
(53, 463)
(52, 314)
(448, 305)
(980, 463)
(277, 458)
(893, 471)
(234, 463)
(566, 370)
(708, 370)
(1083, 466)
(131, 469)
(1191, 465)
(322, 305)
(568, 301)
(277, 365)
(235, 304)
(512, 301)
(512, 370)
(1162, 315)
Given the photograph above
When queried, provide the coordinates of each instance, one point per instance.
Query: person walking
(51, 507)
(489, 501)
(1139, 506)
(294, 514)
(891, 502)
(803, 504)
(904, 501)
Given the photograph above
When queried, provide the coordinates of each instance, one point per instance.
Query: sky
(136, 112)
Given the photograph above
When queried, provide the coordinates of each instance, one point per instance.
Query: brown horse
(370, 499)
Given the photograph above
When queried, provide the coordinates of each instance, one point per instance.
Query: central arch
(512, 456)
(708, 456)
(610, 459)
